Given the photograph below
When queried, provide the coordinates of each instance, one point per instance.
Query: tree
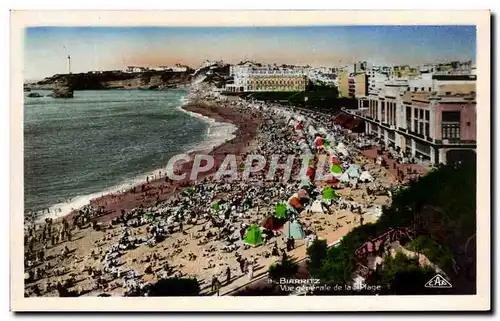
(441, 203)
(287, 268)
(316, 252)
(402, 275)
(337, 268)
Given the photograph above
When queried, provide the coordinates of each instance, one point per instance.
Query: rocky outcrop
(115, 79)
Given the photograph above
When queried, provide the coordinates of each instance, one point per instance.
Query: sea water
(105, 141)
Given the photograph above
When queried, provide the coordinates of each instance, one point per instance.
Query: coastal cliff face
(116, 80)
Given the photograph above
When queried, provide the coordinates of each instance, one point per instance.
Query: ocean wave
(217, 133)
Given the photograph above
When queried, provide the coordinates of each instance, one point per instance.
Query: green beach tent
(150, 217)
(326, 143)
(280, 211)
(253, 236)
(329, 193)
(336, 169)
(294, 230)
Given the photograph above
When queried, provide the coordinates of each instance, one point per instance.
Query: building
(358, 85)
(343, 84)
(437, 124)
(376, 80)
(278, 83)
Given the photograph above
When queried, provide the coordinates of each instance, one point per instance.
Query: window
(415, 113)
(421, 114)
(450, 116)
(430, 88)
(423, 89)
(421, 128)
(408, 113)
(427, 115)
(415, 125)
(415, 89)
(427, 129)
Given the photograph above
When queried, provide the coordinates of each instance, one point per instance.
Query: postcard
(251, 161)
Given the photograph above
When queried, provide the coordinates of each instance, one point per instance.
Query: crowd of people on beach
(223, 208)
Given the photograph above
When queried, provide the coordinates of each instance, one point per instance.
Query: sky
(111, 48)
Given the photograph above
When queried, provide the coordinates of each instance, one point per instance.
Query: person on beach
(214, 283)
(250, 272)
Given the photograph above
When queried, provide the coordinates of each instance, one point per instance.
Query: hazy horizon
(110, 48)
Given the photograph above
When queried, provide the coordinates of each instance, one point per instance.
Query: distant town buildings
(249, 77)
(175, 68)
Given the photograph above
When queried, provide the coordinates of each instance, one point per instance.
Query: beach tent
(344, 178)
(294, 230)
(366, 177)
(280, 211)
(253, 236)
(353, 171)
(329, 193)
(295, 203)
(316, 207)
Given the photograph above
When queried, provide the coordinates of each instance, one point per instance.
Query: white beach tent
(366, 177)
(344, 178)
(353, 171)
(316, 207)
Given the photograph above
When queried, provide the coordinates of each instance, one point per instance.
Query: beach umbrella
(150, 217)
(336, 169)
(319, 141)
(311, 172)
(326, 143)
(329, 193)
(335, 161)
(299, 126)
(280, 211)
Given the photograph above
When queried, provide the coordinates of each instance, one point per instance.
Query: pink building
(456, 119)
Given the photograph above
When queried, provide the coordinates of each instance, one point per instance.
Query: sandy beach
(195, 245)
